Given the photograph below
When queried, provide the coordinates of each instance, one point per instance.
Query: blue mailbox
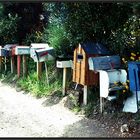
(134, 75)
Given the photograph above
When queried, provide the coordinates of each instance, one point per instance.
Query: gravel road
(22, 115)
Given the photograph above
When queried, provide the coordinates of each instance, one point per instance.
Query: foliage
(38, 87)
(29, 14)
(71, 23)
(8, 29)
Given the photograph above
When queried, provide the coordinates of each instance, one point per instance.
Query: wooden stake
(47, 78)
(64, 81)
(85, 95)
(39, 70)
(18, 65)
(24, 65)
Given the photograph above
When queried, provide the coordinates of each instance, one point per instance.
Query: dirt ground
(23, 115)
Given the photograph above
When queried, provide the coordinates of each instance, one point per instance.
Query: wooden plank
(78, 65)
(39, 70)
(18, 65)
(83, 67)
(24, 65)
(74, 66)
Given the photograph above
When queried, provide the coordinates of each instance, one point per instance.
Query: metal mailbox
(107, 79)
(10, 48)
(42, 55)
(41, 52)
(22, 50)
(104, 62)
(4, 52)
(134, 66)
(64, 64)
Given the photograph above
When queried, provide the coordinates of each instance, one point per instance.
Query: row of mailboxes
(39, 52)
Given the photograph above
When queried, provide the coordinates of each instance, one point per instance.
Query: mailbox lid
(22, 50)
(39, 45)
(9, 46)
(104, 62)
(134, 66)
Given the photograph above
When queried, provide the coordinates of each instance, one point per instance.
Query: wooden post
(18, 65)
(5, 65)
(24, 65)
(47, 78)
(0, 63)
(12, 65)
(64, 81)
(101, 104)
(85, 95)
(39, 70)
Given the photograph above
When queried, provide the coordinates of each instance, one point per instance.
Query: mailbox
(104, 62)
(22, 50)
(64, 64)
(42, 55)
(41, 52)
(107, 79)
(36, 46)
(134, 66)
(10, 48)
(4, 52)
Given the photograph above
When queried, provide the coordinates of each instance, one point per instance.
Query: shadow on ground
(88, 128)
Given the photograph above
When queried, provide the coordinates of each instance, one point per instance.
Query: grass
(37, 87)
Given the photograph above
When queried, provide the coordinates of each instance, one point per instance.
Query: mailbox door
(134, 66)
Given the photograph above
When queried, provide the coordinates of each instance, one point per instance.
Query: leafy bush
(8, 29)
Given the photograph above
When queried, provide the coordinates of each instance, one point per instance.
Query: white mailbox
(108, 78)
(64, 64)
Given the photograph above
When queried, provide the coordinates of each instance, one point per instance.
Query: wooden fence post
(24, 65)
(18, 65)
(39, 70)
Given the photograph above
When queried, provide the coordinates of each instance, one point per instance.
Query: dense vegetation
(65, 24)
